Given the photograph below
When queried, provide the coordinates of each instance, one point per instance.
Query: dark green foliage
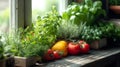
(114, 2)
(100, 30)
(1, 49)
(109, 30)
(91, 33)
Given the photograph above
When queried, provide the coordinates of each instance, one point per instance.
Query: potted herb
(5, 58)
(115, 6)
(26, 46)
(2, 60)
(30, 49)
(109, 31)
(108, 28)
(93, 35)
(34, 42)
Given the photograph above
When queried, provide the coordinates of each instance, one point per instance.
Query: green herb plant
(13, 44)
(47, 25)
(34, 40)
(33, 44)
(91, 33)
(68, 30)
(109, 30)
(101, 30)
(25, 43)
(87, 11)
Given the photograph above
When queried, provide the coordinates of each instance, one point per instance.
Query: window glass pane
(41, 7)
(4, 16)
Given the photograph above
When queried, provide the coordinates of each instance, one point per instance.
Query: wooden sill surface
(83, 60)
(116, 21)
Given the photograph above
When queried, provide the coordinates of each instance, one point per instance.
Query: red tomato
(73, 48)
(84, 47)
(57, 55)
(48, 55)
(82, 42)
(49, 51)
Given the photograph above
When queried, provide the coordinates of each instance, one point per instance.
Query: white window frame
(20, 14)
(63, 5)
(13, 15)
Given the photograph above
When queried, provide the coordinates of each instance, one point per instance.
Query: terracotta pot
(115, 9)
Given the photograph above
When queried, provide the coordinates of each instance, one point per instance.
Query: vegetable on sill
(60, 46)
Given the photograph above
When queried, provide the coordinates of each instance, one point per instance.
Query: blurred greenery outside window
(41, 7)
(4, 16)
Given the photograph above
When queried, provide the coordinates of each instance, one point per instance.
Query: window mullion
(17, 14)
(20, 13)
(63, 4)
(28, 12)
(13, 15)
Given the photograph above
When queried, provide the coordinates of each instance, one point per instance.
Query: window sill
(96, 58)
(116, 21)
